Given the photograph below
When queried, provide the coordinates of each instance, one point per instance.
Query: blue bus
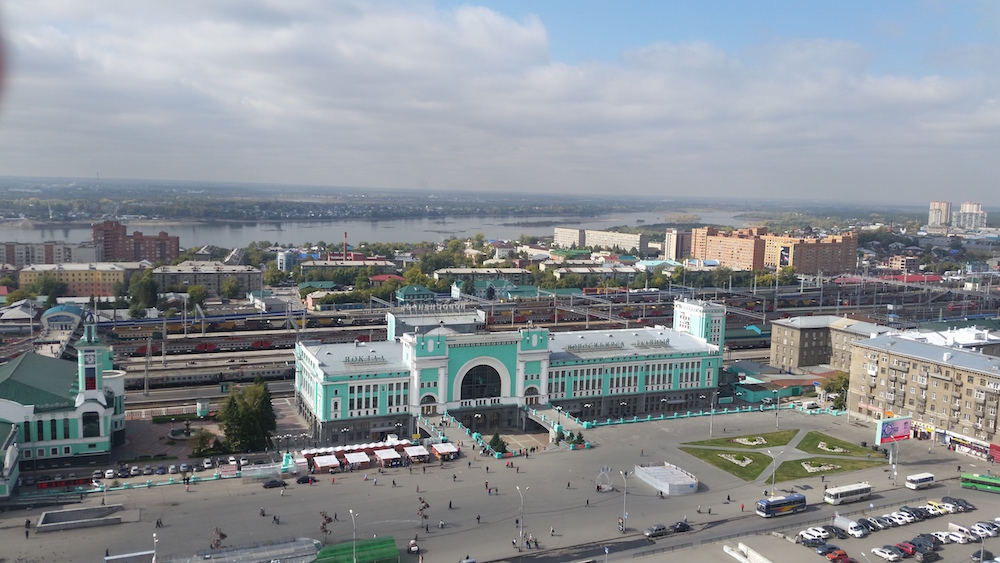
(779, 506)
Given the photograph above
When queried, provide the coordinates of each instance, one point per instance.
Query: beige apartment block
(810, 256)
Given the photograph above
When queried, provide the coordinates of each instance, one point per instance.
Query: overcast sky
(853, 101)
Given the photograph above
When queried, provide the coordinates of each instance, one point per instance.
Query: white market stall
(326, 462)
(357, 460)
(388, 458)
(446, 451)
(417, 454)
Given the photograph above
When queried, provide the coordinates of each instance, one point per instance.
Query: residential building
(812, 256)
(801, 342)
(329, 266)
(676, 245)
(60, 412)
(902, 263)
(210, 275)
(362, 392)
(742, 249)
(969, 217)
(568, 238)
(113, 244)
(623, 274)
(286, 260)
(951, 394)
(940, 214)
(21, 254)
(82, 280)
(414, 295)
(517, 276)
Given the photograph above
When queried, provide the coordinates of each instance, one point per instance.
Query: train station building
(366, 390)
(54, 411)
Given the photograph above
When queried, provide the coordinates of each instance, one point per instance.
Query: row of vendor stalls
(391, 453)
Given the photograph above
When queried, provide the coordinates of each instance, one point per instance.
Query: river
(233, 235)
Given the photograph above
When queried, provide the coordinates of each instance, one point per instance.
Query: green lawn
(810, 445)
(792, 470)
(774, 439)
(748, 473)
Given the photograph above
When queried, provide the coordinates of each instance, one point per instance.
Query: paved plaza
(561, 507)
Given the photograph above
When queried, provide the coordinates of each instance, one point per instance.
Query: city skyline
(776, 100)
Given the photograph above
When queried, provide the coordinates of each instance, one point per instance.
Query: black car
(812, 542)
(274, 484)
(912, 512)
(923, 542)
(868, 525)
(306, 480)
(935, 541)
(984, 555)
(680, 527)
(835, 531)
(966, 505)
(123, 473)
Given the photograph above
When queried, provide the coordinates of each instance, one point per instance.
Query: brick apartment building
(754, 249)
(113, 244)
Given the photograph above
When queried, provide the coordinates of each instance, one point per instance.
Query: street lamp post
(478, 418)
(625, 475)
(558, 412)
(343, 432)
(774, 467)
(354, 525)
(520, 531)
(155, 541)
(711, 413)
(624, 405)
(777, 407)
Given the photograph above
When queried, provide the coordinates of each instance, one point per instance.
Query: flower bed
(745, 461)
(756, 441)
(817, 468)
(831, 449)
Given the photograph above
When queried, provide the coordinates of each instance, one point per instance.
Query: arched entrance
(481, 382)
(428, 404)
(531, 396)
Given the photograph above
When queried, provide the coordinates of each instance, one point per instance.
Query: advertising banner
(891, 430)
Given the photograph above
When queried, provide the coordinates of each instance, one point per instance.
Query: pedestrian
(418, 488)
(513, 542)
(282, 491)
(425, 469)
(959, 468)
(107, 553)
(588, 503)
(394, 483)
(335, 517)
(517, 469)
(552, 532)
(375, 482)
(642, 453)
(516, 522)
(27, 523)
(928, 450)
(427, 528)
(487, 484)
(274, 519)
(262, 512)
(470, 465)
(487, 468)
(333, 480)
(741, 507)
(869, 455)
(685, 518)
(727, 498)
(25, 534)
(454, 477)
(822, 478)
(449, 505)
(477, 518)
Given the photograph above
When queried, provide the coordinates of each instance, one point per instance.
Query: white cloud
(403, 94)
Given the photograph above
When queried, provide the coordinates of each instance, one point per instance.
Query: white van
(809, 405)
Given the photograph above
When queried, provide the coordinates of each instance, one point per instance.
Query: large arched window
(481, 382)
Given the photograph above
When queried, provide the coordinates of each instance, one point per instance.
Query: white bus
(919, 481)
(848, 493)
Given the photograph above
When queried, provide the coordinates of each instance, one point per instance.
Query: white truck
(850, 526)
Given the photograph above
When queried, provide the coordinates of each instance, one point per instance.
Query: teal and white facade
(60, 410)
(366, 390)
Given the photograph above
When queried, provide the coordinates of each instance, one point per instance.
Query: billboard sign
(891, 430)
(785, 256)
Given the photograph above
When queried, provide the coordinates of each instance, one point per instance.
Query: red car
(907, 547)
(838, 555)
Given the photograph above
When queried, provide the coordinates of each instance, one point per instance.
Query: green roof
(46, 383)
(377, 550)
(319, 285)
(569, 252)
(413, 290)
(941, 326)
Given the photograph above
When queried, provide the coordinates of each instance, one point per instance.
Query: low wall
(75, 518)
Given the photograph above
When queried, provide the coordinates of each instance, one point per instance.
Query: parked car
(868, 524)
(982, 555)
(161, 470)
(97, 475)
(309, 479)
(826, 548)
(943, 537)
(884, 554)
(837, 555)
(811, 541)
(274, 484)
(906, 547)
(232, 460)
(184, 468)
(244, 461)
(654, 531)
(956, 537)
(895, 550)
(818, 531)
(207, 463)
(172, 469)
(841, 534)
(109, 473)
